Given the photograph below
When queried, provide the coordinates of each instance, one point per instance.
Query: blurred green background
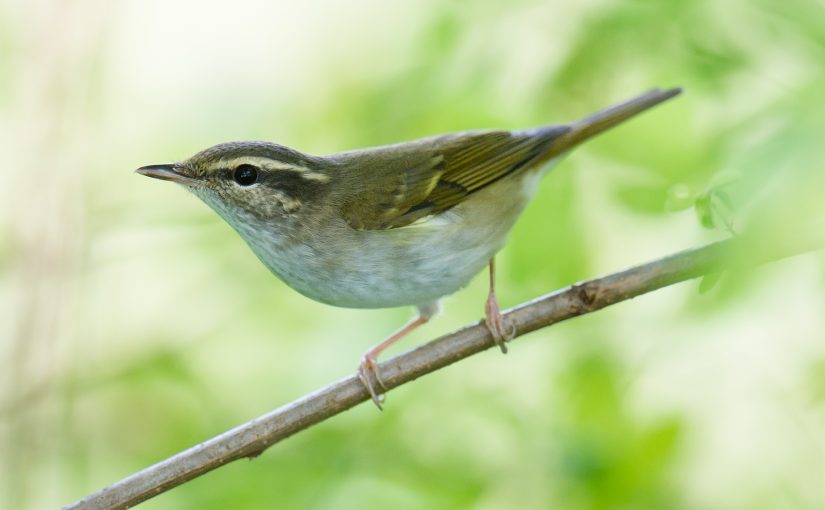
(135, 323)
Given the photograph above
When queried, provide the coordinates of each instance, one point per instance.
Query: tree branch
(252, 438)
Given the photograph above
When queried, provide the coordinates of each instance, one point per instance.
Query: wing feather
(428, 178)
(412, 180)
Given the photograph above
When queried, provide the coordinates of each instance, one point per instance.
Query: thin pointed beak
(165, 173)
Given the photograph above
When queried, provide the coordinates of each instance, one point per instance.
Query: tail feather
(601, 121)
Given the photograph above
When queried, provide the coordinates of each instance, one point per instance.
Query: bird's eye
(245, 175)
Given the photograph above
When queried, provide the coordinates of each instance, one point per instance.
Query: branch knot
(587, 296)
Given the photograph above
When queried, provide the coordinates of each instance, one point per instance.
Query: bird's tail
(605, 119)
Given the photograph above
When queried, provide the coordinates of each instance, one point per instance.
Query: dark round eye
(245, 175)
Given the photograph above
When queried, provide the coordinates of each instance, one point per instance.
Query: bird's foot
(368, 373)
(496, 323)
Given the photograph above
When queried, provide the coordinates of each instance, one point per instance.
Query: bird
(396, 225)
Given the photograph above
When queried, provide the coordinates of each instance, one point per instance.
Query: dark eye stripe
(291, 183)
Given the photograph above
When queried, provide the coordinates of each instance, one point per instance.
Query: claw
(492, 315)
(501, 331)
(368, 373)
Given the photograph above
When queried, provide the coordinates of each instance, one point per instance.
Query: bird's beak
(169, 172)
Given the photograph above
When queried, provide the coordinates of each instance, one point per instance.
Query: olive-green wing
(428, 177)
(410, 181)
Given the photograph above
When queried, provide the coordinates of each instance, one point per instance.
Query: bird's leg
(367, 369)
(492, 315)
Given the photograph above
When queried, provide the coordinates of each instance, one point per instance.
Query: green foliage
(625, 464)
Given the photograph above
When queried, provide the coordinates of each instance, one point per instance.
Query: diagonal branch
(252, 438)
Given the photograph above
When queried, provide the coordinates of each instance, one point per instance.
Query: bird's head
(248, 182)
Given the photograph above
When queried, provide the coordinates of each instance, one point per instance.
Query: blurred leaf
(679, 198)
(624, 465)
(804, 19)
(643, 199)
(714, 207)
(708, 282)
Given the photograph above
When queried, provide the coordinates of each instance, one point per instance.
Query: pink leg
(493, 318)
(367, 369)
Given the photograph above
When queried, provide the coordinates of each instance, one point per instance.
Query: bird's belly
(435, 264)
(386, 268)
(412, 265)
